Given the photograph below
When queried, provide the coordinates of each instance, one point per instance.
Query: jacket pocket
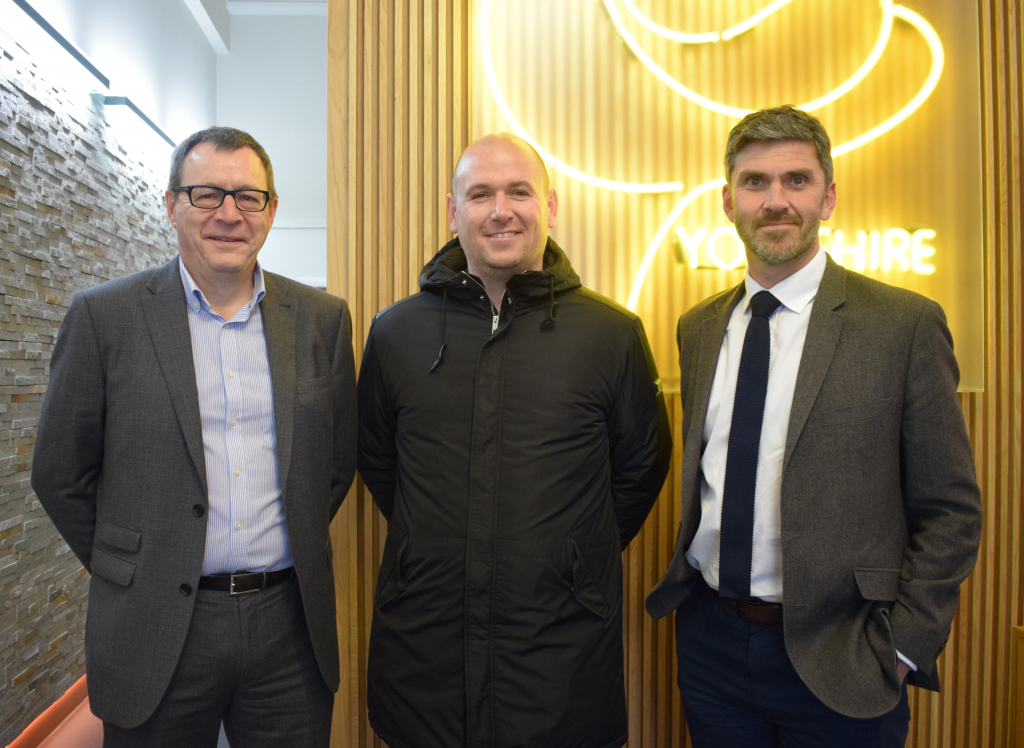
(859, 412)
(877, 584)
(391, 583)
(117, 536)
(111, 568)
(585, 588)
(313, 385)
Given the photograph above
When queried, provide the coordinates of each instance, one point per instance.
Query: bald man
(514, 434)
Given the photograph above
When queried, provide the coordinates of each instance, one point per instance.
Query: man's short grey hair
(515, 140)
(223, 139)
(784, 122)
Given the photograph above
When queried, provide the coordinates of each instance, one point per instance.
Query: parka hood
(444, 268)
(445, 274)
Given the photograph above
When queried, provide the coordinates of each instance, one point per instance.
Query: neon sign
(891, 249)
(709, 37)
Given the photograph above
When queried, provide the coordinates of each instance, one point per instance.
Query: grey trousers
(248, 661)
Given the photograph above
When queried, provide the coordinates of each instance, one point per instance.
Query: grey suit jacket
(120, 469)
(881, 512)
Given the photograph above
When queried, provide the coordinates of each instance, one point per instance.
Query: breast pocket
(314, 385)
(859, 412)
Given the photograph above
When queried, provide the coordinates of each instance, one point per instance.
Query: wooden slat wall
(399, 115)
(398, 90)
(973, 710)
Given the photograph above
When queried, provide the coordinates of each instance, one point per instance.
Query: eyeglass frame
(188, 190)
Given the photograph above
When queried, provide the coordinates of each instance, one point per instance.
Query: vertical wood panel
(398, 104)
(400, 85)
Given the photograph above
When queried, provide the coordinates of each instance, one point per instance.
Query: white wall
(153, 51)
(273, 85)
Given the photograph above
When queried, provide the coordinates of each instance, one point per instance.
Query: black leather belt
(242, 582)
(760, 611)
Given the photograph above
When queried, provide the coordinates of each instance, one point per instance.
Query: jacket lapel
(164, 306)
(279, 328)
(823, 331)
(712, 334)
(710, 348)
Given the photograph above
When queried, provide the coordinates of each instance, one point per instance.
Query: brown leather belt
(244, 581)
(760, 612)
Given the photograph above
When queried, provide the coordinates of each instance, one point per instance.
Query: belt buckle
(234, 592)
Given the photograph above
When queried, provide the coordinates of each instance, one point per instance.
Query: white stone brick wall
(75, 210)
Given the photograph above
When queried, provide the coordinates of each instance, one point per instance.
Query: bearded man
(514, 434)
(830, 506)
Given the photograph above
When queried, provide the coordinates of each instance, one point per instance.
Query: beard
(771, 247)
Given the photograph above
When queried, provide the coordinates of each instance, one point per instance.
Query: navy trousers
(740, 689)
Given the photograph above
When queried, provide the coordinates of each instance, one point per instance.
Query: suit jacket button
(186, 589)
(198, 510)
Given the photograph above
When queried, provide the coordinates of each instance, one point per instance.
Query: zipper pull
(494, 323)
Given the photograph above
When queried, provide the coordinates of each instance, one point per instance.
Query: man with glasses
(197, 437)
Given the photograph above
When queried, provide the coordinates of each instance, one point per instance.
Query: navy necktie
(737, 538)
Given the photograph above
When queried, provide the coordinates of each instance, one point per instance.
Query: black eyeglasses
(209, 198)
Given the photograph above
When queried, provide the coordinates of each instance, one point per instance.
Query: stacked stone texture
(75, 210)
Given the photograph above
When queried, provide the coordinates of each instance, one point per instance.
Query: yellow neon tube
(696, 98)
(708, 37)
(492, 81)
(677, 36)
(652, 250)
(754, 19)
(660, 74)
(938, 61)
(888, 11)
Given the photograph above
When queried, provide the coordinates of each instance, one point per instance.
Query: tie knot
(763, 304)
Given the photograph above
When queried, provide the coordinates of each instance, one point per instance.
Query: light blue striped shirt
(245, 525)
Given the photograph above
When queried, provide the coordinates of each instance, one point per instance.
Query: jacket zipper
(495, 313)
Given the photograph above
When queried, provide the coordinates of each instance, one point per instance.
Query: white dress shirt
(245, 524)
(788, 330)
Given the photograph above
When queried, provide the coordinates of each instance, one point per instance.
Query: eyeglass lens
(211, 197)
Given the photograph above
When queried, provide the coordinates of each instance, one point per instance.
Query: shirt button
(231, 374)
(234, 422)
(198, 510)
(238, 525)
(238, 472)
(186, 589)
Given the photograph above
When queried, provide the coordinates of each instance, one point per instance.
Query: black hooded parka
(515, 453)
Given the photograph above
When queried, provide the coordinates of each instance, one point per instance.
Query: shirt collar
(197, 300)
(796, 291)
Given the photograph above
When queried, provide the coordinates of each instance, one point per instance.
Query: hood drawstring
(444, 346)
(550, 321)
